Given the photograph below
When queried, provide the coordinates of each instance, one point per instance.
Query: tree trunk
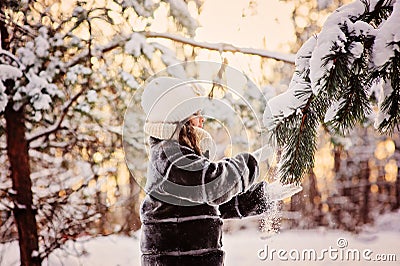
(17, 150)
(132, 217)
(102, 209)
(364, 188)
(314, 197)
(396, 204)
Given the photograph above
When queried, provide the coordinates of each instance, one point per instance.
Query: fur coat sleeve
(176, 171)
(254, 201)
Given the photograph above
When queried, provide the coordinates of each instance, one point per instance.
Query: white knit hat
(168, 101)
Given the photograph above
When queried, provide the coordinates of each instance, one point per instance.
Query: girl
(188, 195)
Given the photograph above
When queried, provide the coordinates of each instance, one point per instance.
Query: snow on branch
(387, 38)
(357, 47)
(386, 62)
(222, 47)
(124, 41)
(57, 125)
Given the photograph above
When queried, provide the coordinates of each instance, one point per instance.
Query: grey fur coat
(187, 197)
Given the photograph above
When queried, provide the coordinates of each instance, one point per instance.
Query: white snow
(357, 49)
(26, 54)
(332, 40)
(35, 253)
(53, 91)
(6, 72)
(222, 47)
(137, 44)
(12, 191)
(355, 8)
(129, 79)
(285, 104)
(91, 96)
(75, 71)
(42, 46)
(9, 72)
(83, 107)
(304, 53)
(179, 10)
(133, 46)
(41, 102)
(77, 11)
(142, 9)
(177, 69)
(362, 28)
(387, 38)
(21, 206)
(242, 247)
(318, 66)
(385, 90)
(3, 98)
(333, 109)
(58, 40)
(75, 41)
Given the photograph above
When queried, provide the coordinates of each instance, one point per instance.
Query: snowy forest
(323, 81)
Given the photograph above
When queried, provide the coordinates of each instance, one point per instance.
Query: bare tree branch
(222, 47)
(56, 126)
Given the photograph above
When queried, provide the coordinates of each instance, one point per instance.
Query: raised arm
(178, 172)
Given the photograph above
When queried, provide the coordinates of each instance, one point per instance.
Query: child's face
(197, 119)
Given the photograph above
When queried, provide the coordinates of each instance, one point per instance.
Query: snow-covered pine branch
(291, 118)
(357, 47)
(386, 67)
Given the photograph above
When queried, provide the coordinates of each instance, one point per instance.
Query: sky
(261, 24)
(265, 24)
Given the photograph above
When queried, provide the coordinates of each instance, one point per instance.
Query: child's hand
(277, 191)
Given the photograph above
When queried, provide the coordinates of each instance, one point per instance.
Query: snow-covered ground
(246, 247)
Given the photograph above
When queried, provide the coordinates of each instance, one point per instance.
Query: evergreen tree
(349, 67)
(66, 77)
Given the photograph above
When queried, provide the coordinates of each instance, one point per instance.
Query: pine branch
(381, 11)
(391, 104)
(353, 97)
(297, 135)
(298, 154)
